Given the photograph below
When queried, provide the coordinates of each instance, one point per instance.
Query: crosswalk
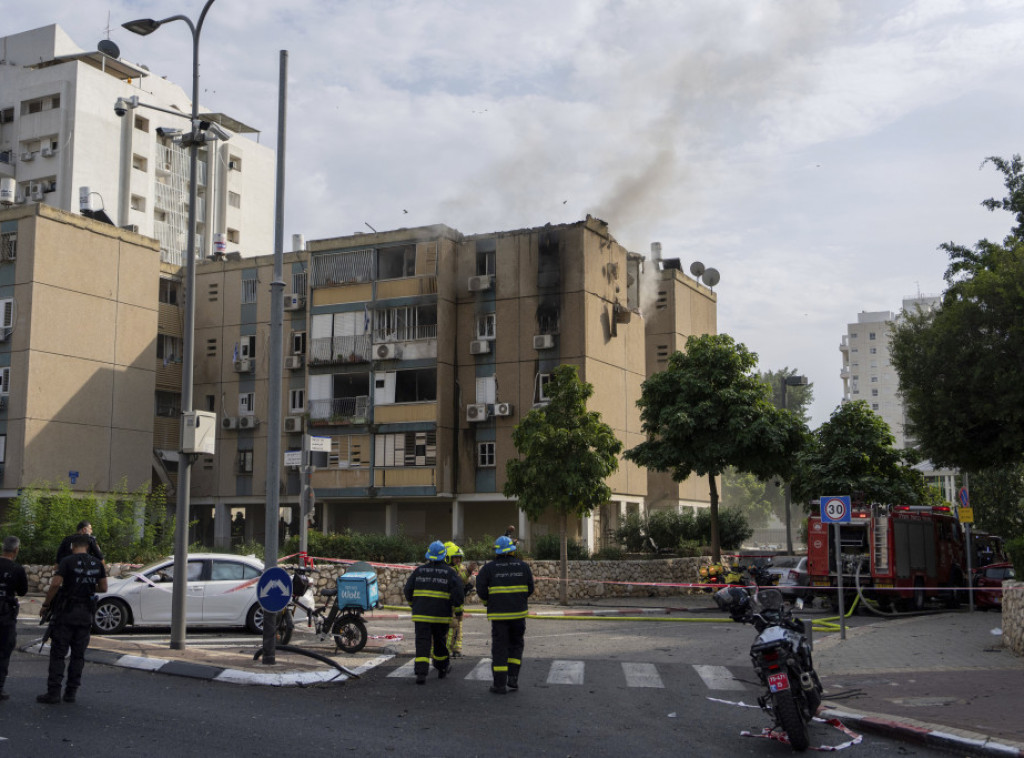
(574, 673)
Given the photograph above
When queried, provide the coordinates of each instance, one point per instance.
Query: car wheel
(111, 616)
(254, 619)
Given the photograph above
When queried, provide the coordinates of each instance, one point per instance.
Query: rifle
(50, 617)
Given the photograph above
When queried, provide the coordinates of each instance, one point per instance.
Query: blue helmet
(504, 545)
(437, 551)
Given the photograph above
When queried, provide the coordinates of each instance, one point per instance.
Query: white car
(221, 591)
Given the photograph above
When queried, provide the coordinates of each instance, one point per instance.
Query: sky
(816, 153)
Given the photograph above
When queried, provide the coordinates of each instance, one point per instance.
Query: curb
(924, 733)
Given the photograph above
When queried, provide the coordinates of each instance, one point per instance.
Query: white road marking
(481, 672)
(405, 670)
(718, 678)
(642, 675)
(566, 672)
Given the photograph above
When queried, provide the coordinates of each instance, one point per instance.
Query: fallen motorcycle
(781, 655)
(724, 574)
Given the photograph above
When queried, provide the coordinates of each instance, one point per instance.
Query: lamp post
(194, 138)
(793, 380)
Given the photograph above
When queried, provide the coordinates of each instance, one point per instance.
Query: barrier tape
(777, 734)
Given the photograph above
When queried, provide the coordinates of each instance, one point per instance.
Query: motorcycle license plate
(778, 682)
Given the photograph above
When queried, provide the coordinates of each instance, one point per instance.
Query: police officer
(72, 593)
(84, 527)
(504, 585)
(13, 583)
(432, 590)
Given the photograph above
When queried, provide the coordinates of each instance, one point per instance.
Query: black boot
(513, 681)
(69, 694)
(50, 698)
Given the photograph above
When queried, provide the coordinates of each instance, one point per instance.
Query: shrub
(1015, 549)
(632, 533)
(349, 545)
(609, 554)
(549, 548)
(668, 528)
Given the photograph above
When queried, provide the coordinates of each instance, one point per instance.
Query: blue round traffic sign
(274, 589)
(835, 509)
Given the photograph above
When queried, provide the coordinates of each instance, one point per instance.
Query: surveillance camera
(121, 107)
(166, 132)
(215, 131)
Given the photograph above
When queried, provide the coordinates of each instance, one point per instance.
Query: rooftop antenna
(696, 268)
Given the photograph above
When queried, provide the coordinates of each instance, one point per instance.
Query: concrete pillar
(221, 526)
(587, 532)
(458, 521)
(391, 519)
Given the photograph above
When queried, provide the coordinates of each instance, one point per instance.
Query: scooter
(781, 655)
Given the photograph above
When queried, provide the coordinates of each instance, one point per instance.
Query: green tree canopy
(709, 410)
(959, 366)
(854, 453)
(997, 497)
(566, 453)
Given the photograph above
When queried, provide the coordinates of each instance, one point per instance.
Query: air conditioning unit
(543, 341)
(248, 422)
(36, 191)
(293, 361)
(229, 422)
(476, 412)
(27, 156)
(19, 198)
(243, 365)
(293, 423)
(293, 302)
(503, 409)
(166, 167)
(480, 283)
(46, 152)
(131, 228)
(387, 351)
(479, 347)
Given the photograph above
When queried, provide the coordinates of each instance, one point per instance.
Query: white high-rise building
(59, 133)
(867, 372)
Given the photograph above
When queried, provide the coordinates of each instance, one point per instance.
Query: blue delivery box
(358, 588)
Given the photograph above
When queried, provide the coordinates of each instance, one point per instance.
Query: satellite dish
(109, 47)
(696, 268)
(711, 277)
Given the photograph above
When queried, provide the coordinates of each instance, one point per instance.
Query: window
(396, 262)
(406, 449)
(485, 455)
(211, 403)
(234, 163)
(234, 200)
(871, 335)
(417, 385)
(139, 163)
(8, 247)
(485, 326)
(347, 451)
(485, 252)
(874, 406)
(547, 319)
(342, 268)
(873, 350)
(874, 393)
(233, 236)
(486, 389)
(542, 384)
(138, 203)
(5, 380)
(299, 283)
(298, 343)
(853, 335)
(142, 123)
(296, 401)
(246, 347)
(7, 116)
(168, 404)
(248, 291)
(417, 322)
(245, 461)
(169, 290)
(246, 402)
(169, 348)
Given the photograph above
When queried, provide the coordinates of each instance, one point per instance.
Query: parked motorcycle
(723, 574)
(781, 655)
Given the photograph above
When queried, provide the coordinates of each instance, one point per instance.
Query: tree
(566, 455)
(854, 453)
(959, 366)
(709, 410)
(997, 497)
(798, 399)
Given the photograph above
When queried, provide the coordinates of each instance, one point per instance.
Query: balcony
(332, 350)
(339, 411)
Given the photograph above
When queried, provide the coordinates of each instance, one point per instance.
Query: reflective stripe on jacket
(504, 585)
(432, 590)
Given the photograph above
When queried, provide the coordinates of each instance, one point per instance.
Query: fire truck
(900, 555)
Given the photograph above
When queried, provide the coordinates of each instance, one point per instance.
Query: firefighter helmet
(453, 551)
(504, 545)
(436, 551)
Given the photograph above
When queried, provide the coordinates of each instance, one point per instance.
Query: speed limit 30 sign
(835, 509)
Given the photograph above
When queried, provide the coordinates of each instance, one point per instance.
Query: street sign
(274, 589)
(835, 509)
(966, 515)
(964, 496)
(292, 457)
(320, 444)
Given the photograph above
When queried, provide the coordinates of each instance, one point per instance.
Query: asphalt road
(589, 688)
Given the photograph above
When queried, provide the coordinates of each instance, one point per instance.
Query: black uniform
(13, 583)
(432, 589)
(74, 606)
(65, 548)
(504, 585)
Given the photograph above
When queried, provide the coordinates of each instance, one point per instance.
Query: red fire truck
(904, 553)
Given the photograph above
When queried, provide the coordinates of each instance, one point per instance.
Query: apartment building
(59, 133)
(867, 371)
(416, 352)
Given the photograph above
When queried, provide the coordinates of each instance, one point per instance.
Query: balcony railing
(339, 410)
(406, 334)
(325, 350)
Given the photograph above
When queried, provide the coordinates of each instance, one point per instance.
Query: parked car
(220, 591)
(988, 584)
(793, 580)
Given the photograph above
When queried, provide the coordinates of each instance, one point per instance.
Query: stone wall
(1013, 616)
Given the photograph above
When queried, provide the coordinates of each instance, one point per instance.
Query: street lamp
(793, 380)
(193, 139)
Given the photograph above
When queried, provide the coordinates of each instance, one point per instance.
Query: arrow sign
(274, 589)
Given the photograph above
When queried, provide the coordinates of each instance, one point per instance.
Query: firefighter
(504, 585)
(454, 559)
(432, 590)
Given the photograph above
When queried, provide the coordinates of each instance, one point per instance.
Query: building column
(524, 531)
(221, 526)
(587, 532)
(391, 519)
(458, 520)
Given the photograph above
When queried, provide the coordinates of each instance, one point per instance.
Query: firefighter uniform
(504, 585)
(432, 590)
(454, 559)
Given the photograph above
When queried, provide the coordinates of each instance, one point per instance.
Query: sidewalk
(941, 679)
